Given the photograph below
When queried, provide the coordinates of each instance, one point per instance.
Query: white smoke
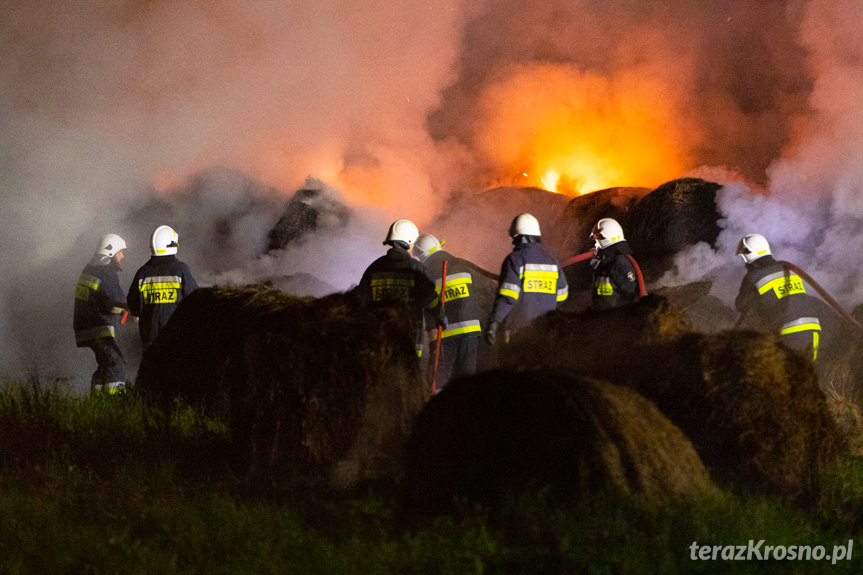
(812, 209)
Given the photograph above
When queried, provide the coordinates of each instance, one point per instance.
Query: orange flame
(575, 133)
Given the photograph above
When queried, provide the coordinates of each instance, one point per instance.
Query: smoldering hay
(107, 107)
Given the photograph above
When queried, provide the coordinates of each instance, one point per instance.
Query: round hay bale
(595, 343)
(675, 215)
(572, 232)
(752, 407)
(500, 433)
(326, 383)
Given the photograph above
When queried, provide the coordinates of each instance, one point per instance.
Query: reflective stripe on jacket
(460, 305)
(157, 289)
(531, 284)
(99, 303)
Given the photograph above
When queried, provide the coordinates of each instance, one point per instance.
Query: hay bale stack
(706, 313)
(752, 408)
(675, 215)
(327, 382)
(500, 433)
(572, 232)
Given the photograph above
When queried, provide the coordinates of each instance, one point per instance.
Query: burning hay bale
(504, 432)
(675, 215)
(326, 383)
(752, 407)
(312, 208)
(572, 232)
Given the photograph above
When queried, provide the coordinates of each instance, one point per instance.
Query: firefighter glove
(491, 332)
(442, 322)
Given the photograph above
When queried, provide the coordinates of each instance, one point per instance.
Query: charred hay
(501, 433)
(322, 383)
(675, 215)
(752, 407)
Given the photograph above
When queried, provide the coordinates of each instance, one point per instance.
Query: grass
(107, 485)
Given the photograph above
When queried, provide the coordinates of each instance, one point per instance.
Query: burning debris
(312, 209)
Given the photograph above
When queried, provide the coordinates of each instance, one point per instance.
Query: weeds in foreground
(104, 484)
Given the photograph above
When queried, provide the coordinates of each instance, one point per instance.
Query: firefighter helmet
(164, 241)
(425, 246)
(402, 231)
(753, 247)
(606, 232)
(524, 225)
(109, 245)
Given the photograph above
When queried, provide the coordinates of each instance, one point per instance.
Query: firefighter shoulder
(531, 282)
(160, 284)
(615, 277)
(396, 276)
(455, 308)
(773, 293)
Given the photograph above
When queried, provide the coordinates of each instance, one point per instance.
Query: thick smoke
(115, 114)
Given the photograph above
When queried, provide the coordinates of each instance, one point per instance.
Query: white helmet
(425, 246)
(753, 247)
(402, 231)
(524, 225)
(607, 232)
(164, 241)
(109, 245)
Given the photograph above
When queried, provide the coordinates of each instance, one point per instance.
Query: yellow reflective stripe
(469, 326)
(392, 282)
(540, 274)
(148, 287)
(604, 287)
(781, 286)
(551, 268)
(509, 290)
(466, 329)
(86, 285)
(454, 279)
(801, 327)
(562, 294)
(814, 345)
(89, 334)
(508, 293)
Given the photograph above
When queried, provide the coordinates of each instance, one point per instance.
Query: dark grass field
(110, 485)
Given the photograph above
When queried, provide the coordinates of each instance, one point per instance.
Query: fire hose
(642, 289)
(821, 291)
(439, 328)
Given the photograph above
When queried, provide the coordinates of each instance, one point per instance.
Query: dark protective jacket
(776, 296)
(460, 301)
(531, 284)
(99, 302)
(396, 276)
(615, 282)
(157, 289)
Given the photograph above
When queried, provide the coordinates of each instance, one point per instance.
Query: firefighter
(531, 282)
(159, 285)
(615, 280)
(774, 294)
(397, 277)
(460, 340)
(99, 305)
